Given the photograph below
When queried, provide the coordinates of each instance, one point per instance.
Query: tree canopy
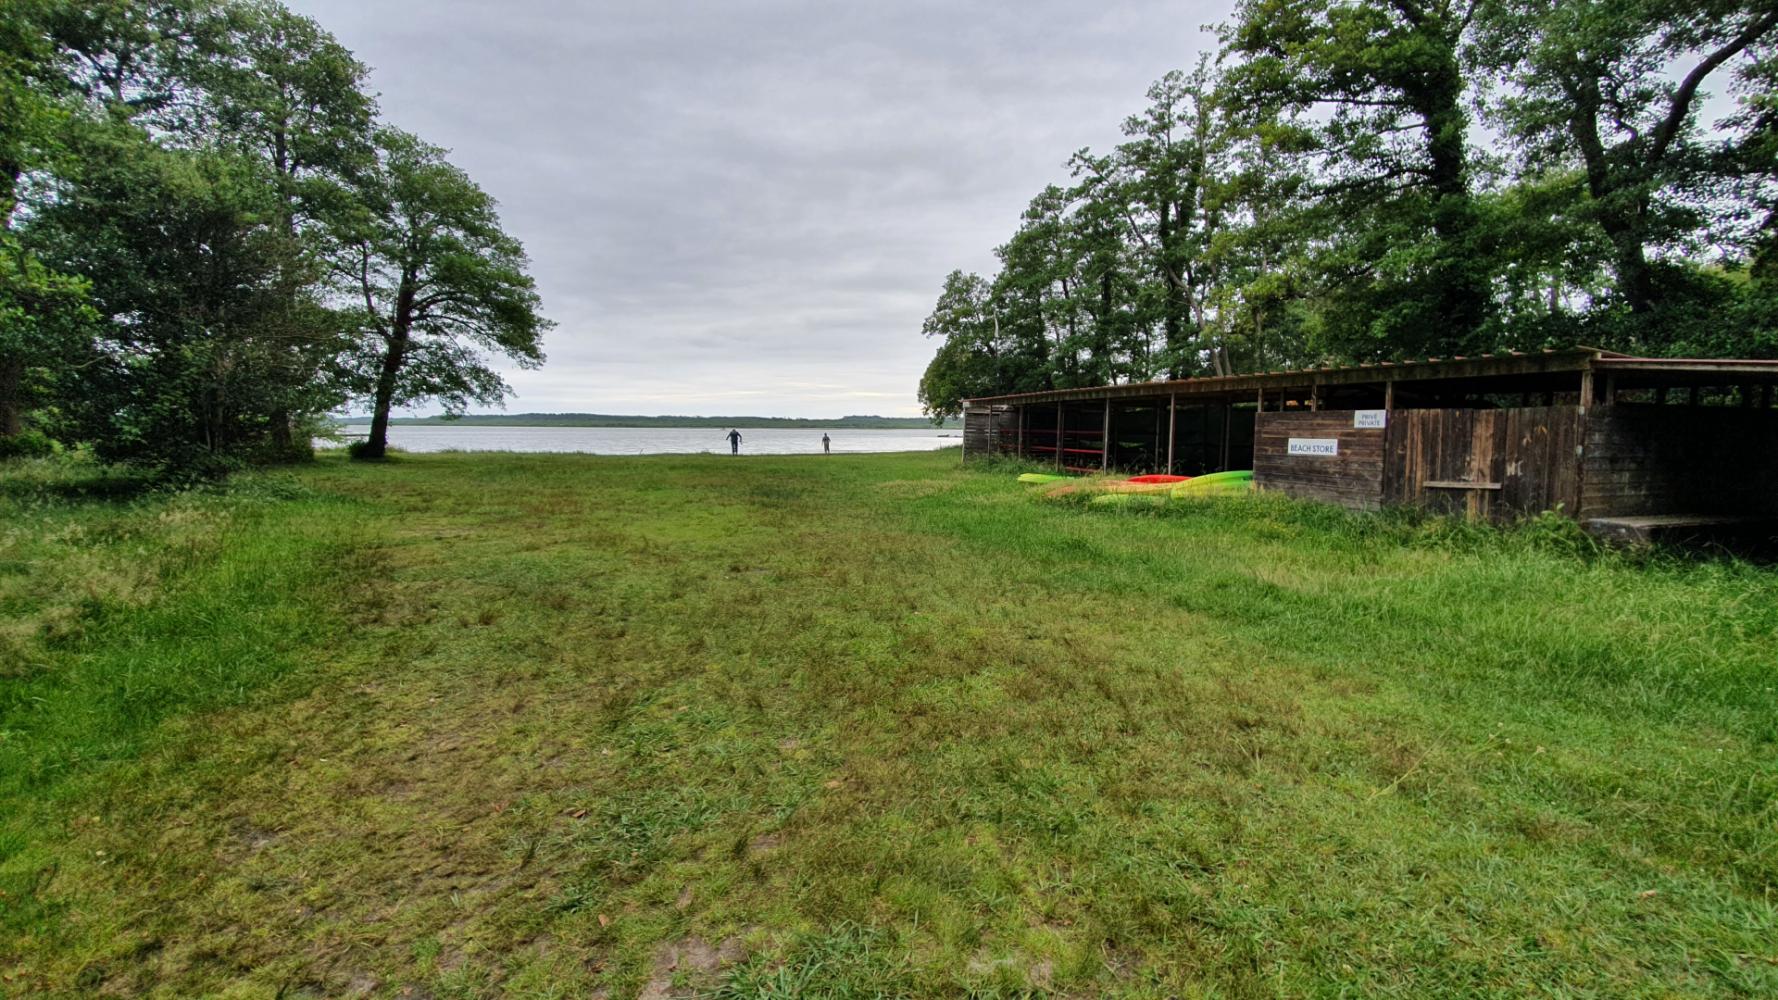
(1381, 179)
(205, 233)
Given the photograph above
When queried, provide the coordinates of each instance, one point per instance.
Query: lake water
(653, 440)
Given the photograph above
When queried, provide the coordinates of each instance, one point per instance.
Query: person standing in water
(734, 442)
(826, 444)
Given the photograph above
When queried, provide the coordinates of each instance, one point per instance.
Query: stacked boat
(1143, 491)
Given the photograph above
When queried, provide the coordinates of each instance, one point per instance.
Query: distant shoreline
(855, 423)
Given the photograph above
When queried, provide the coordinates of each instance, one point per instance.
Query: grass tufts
(527, 725)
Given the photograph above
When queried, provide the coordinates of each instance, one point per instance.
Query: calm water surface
(653, 440)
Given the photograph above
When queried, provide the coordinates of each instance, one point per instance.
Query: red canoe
(1159, 479)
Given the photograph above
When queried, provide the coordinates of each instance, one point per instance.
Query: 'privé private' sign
(1316, 447)
(1370, 419)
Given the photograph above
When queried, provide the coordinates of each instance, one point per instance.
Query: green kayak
(1040, 477)
(1129, 500)
(1217, 484)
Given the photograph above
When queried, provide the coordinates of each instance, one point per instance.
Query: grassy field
(556, 726)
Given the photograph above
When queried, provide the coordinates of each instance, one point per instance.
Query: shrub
(30, 444)
(358, 451)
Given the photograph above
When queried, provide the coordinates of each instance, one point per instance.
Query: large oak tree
(442, 284)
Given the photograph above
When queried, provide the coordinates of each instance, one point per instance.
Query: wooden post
(1388, 399)
(1747, 395)
(1262, 399)
(1059, 429)
(1155, 456)
(1765, 395)
(1172, 428)
(1586, 390)
(1692, 396)
(1228, 418)
(963, 456)
(1021, 430)
(1105, 440)
(1661, 396)
(1315, 397)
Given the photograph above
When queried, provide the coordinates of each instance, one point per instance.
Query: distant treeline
(618, 420)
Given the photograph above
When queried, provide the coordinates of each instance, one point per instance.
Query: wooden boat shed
(1630, 446)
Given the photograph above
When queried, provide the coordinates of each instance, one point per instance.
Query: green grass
(558, 726)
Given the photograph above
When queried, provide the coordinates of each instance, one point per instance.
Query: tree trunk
(10, 172)
(283, 441)
(297, 373)
(1623, 224)
(1635, 279)
(12, 404)
(377, 446)
(1461, 296)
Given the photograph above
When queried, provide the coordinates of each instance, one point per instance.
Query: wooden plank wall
(1644, 459)
(1353, 478)
(1522, 460)
(1006, 430)
(978, 432)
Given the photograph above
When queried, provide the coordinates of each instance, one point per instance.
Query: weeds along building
(1630, 446)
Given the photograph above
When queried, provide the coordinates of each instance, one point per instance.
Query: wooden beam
(1765, 395)
(1747, 395)
(1060, 427)
(1586, 390)
(1661, 396)
(1232, 386)
(1458, 484)
(1388, 397)
(1155, 456)
(1021, 432)
(963, 456)
(1172, 428)
(1105, 440)
(1228, 420)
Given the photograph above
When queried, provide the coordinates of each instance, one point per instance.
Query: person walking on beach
(826, 445)
(734, 442)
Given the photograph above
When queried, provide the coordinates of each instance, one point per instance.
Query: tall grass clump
(125, 605)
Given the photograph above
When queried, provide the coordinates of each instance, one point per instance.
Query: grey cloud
(749, 206)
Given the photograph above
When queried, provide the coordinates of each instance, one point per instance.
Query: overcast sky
(748, 207)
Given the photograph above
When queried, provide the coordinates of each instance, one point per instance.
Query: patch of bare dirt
(692, 955)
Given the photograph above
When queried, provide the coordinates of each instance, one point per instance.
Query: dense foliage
(208, 241)
(1381, 179)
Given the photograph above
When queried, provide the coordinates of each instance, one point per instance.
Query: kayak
(1217, 484)
(1136, 486)
(1128, 500)
(1160, 479)
(1040, 477)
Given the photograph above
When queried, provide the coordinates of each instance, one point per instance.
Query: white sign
(1318, 447)
(1370, 419)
